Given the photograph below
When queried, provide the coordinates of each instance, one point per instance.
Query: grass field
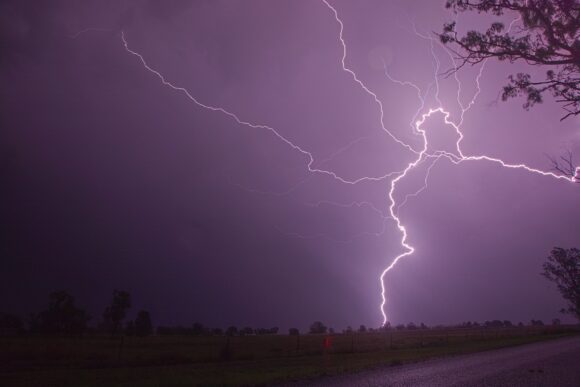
(246, 360)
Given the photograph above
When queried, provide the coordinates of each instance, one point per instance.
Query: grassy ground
(249, 360)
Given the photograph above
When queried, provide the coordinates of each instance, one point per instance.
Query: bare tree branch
(550, 37)
(564, 164)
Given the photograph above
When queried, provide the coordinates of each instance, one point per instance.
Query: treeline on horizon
(64, 317)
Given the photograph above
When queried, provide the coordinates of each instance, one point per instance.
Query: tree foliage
(318, 327)
(549, 37)
(10, 325)
(61, 317)
(563, 268)
(143, 325)
(115, 313)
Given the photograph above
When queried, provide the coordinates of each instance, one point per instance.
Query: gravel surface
(550, 363)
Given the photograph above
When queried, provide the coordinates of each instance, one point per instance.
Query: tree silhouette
(10, 325)
(115, 313)
(318, 327)
(61, 317)
(198, 329)
(549, 38)
(143, 325)
(565, 165)
(563, 268)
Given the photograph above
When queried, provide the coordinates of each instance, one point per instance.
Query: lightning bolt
(416, 124)
(241, 122)
(360, 83)
(422, 154)
(423, 187)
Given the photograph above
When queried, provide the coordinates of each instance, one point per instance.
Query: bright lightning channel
(416, 124)
(277, 134)
(422, 154)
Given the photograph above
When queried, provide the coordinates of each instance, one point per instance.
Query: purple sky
(112, 180)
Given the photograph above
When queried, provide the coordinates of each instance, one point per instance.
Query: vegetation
(115, 313)
(143, 325)
(548, 38)
(563, 268)
(61, 317)
(99, 360)
(318, 327)
(59, 347)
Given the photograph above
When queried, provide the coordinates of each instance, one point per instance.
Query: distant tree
(264, 331)
(400, 327)
(61, 317)
(563, 268)
(548, 37)
(494, 324)
(115, 313)
(232, 331)
(293, 332)
(10, 325)
(537, 323)
(331, 331)
(556, 321)
(318, 327)
(507, 323)
(143, 325)
(520, 324)
(423, 326)
(411, 325)
(362, 329)
(348, 330)
(198, 329)
(247, 331)
(217, 332)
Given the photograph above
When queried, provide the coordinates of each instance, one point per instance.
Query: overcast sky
(111, 179)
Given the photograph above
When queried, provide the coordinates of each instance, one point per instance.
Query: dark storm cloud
(111, 180)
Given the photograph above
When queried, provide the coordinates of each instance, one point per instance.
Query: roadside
(549, 363)
(253, 360)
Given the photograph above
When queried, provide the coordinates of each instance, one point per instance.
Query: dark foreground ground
(551, 363)
(273, 359)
